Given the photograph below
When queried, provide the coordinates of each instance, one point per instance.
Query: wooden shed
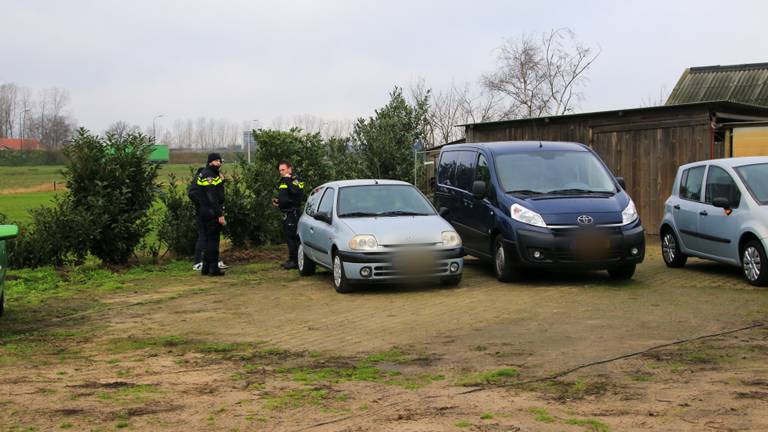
(644, 145)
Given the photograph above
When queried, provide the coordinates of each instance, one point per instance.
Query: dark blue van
(551, 205)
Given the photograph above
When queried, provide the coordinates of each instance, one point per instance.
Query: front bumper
(559, 249)
(391, 266)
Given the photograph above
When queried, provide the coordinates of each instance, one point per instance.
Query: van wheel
(753, 262)
(624, 272)
(670, 250)
(307, 267)
(340, 282)
(503, 267)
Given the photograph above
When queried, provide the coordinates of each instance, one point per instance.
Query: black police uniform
(211, 187)
(289, 194)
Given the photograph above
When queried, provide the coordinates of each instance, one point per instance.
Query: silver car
(719, 211)
(368, 231)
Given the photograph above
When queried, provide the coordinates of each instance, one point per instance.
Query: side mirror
(323, 216)
(478, 189)
(621, 182)
(8, 232)
(722, 202)
(444, 211)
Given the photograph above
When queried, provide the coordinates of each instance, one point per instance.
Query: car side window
(326, 204)
(312, 201)
(691, 183)
(447, 168)
(721, 185)
(465, 170)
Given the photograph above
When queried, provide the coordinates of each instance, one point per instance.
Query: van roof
(505, 147)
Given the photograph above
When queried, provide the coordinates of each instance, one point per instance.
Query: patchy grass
(541, 415)
(486, 416)
(462, 424)
(569, 390)
(590, 425)
(495, 377)
(130, 393)
(298, 398)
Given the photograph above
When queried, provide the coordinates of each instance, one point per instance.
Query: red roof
(15, 144)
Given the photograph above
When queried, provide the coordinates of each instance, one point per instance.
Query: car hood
(400, 230)
(565, 210)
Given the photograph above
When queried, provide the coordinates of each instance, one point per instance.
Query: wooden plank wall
(646, 152)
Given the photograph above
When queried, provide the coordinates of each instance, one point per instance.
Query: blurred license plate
(592, 246)
(415, 262)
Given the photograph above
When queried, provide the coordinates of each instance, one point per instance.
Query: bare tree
(121, 128)
(656, 100)
(8, 106)
(541, 77)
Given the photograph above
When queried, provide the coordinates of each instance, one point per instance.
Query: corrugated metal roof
(746, 83)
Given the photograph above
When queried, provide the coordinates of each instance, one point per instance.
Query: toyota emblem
(584, 220)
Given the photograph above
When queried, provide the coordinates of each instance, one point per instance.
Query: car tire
(306, 266)
(451, 281)
(753, 263)
(503, 267)
(623, 272)
(670, 249)
(338, 278)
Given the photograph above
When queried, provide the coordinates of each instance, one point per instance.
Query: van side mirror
(444, 211)
(478, 189)
(621, 182)
(722, 202)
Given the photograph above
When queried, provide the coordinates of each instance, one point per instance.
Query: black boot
(206, 269)
(215, 271)
(290, 264)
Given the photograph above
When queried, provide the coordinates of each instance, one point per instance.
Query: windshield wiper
(577, 192)
(402, 213)
(358, 214)
(525, 192)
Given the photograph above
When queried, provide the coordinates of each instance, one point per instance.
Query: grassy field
(27, 187)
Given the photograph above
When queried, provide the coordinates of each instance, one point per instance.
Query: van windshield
(553, 173)
(382, 200)
(756, 179)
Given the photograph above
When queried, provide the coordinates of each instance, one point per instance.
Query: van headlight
(451, 239)
(526, 216)
(629, 214)
(363, 242)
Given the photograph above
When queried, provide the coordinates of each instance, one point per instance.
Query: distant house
(17, 144)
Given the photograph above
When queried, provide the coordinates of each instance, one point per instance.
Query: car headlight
(363, 242)
(451, 239)
(629, 214)
(526, 216)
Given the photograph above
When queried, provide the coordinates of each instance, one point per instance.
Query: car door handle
(676, 206)
(704, 213)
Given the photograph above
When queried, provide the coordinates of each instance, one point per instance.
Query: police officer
(289, 194)
(210, 214)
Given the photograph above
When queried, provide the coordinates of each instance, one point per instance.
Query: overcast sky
(243, 60)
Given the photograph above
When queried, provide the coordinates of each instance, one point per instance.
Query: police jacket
(289, 193)
(210, 192)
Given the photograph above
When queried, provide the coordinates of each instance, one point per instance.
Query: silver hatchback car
(368, 231)
(718, 210)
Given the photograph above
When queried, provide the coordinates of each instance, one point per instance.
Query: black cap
(214, 156)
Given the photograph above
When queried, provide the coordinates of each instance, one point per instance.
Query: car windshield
(553, 173)
(382, 200)
(755, 177)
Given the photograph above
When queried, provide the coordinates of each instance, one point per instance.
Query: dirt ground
(262, 349)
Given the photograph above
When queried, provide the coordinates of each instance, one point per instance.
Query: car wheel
(670, 250)
(307, 267)
(503, 267)
(624, 272)
(340, 282)
(450, 281)
(753, 261)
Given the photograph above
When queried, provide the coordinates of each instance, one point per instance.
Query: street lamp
(23, 119)
(154, 131)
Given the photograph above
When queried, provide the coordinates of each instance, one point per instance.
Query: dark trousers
(290, 225)
(200, 245)
(212, 234)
